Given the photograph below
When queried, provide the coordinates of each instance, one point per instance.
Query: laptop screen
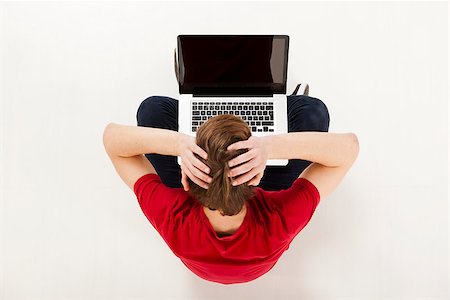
(232, 64)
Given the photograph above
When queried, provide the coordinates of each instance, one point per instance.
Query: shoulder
(301, 192)
(149, 188)
(146, 179)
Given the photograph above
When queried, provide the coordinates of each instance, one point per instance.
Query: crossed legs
(304, 114)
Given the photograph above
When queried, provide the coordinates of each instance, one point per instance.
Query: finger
(198, 150)
(244, 178)
(201, 166)
(195, 179)
(241, 158)
(252, 181)
(196, 170)
(184, 181)
(236, 171)
(256, 180)
(240, 145)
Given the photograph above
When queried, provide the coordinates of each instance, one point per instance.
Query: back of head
(214, 136)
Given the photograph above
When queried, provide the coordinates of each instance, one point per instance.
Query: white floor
(69, 228)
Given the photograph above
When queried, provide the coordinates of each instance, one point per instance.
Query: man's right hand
(253, 162)
(191, 166)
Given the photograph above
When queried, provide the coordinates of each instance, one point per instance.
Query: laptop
(243, 75)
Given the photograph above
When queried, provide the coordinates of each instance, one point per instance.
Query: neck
(215, 215)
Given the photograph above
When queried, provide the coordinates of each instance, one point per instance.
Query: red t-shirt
(272, 221)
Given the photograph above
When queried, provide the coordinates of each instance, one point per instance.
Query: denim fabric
(304, 114)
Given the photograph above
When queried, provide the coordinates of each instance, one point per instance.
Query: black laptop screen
(226, 64)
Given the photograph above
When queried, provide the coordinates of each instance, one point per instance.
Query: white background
(71, 228)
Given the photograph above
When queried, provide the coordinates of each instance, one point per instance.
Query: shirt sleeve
(297, 205)
(157, 201)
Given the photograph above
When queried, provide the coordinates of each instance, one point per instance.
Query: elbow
(354, 144)
(107, 133)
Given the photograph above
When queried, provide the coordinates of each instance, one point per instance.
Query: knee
(320, 110)
(314, 113)
(148, 105)
(149, 108)
(319, 115)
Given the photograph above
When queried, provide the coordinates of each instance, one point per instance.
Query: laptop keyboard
(258, 115)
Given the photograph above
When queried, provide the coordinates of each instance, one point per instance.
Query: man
(221, 226)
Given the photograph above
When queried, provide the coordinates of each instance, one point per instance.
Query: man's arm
(126, 146)
(332, 155)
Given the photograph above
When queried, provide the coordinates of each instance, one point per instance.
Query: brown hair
(214, 136)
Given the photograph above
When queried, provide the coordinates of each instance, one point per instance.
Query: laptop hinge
(235, 92)
(231, 95)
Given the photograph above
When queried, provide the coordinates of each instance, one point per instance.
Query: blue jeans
(304, 114)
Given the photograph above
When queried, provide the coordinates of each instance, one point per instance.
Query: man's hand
(253, 162)
(192, 166)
